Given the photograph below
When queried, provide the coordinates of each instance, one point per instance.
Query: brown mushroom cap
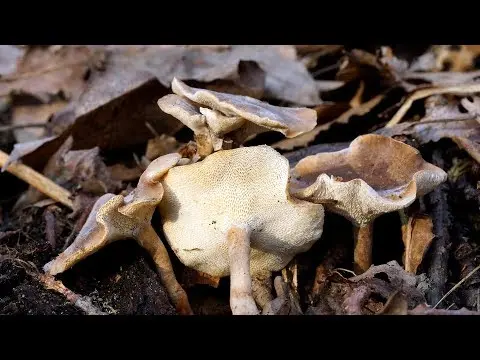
(374, 175)
(289, 121)
(243, 187)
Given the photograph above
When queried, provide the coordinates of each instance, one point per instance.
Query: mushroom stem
(149, 240)
(241, 298)
(362, 256)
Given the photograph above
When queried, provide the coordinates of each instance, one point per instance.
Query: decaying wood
(38, 181)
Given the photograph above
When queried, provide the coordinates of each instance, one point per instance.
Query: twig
(50, 227)
(457, 285)
(84, 303)
(438, 271)
(38, 181)
(423, 93)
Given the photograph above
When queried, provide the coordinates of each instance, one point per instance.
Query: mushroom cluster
(242, 211)
(221, 120)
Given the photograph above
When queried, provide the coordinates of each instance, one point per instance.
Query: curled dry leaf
(325, 122)
(365, 294)
(463, 89)
(44, 73)
(443, 119)
(417, 236)
(375, 175)
(80, 168)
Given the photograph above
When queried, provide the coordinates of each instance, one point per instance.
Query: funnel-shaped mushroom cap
(289, 121)
(375, 175)
(242, 187)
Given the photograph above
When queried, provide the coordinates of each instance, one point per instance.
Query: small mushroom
(374, 176)
(227, 215)
(114, 218)
(214, 115)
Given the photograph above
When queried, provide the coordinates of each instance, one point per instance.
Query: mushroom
(373, 176)
(114, 217)
(227, 215)
(214, 115)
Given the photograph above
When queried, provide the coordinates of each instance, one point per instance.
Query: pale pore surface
(244, 187)
(289, 121)
(375, 175)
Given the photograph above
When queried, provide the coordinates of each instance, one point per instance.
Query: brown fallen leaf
(397, 304)
(9, 57)
(464, 89)
(449, 78)
(308, 137)
(83, 169)
(443, 119)
(123, 173)
(250, 81)
(417, 235)
(286, 78)
(161, 145)
(366, 294)
(441, 58)
(33, 114)
(112, 114)
(191, 277)
(360, 64)
(45, 72)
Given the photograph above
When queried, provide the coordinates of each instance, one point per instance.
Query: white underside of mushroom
(243, 187)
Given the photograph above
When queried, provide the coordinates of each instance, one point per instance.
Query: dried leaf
(286, 78)
(83, 168)
(111, 114)
(442, 78)
(464, 89)
(9, 57)
(249, 82)
(123, 173)
(45, 72)
(191, 277)
(417, 235)
(308, 137)
(40, 149)
(443, 119)
(161, 145)
(441, 58)
(363, 294)
(33, 114)
(396, 304)
(360, 64)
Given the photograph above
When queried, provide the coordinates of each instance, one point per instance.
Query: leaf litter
(87, 118)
